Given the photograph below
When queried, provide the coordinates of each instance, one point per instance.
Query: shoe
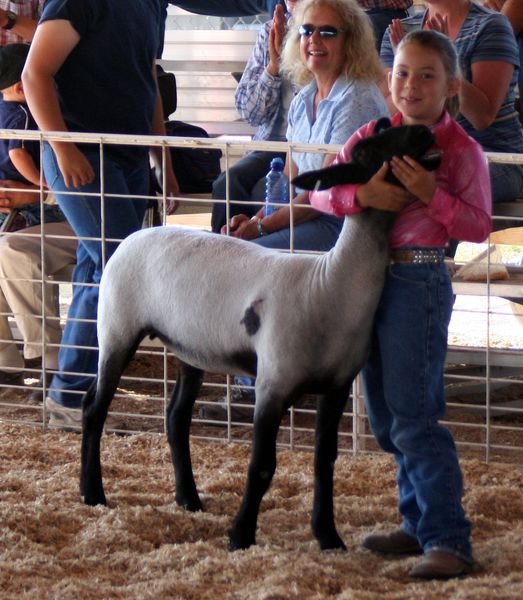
(395, 542)
(218, 410)
(439, 564)
(63, 418)
(11, 378)
(70, 419)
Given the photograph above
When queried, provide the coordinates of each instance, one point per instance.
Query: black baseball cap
(12, 61)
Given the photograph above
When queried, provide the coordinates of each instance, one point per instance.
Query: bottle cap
(277, 164)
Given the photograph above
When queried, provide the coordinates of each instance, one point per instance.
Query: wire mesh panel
(484, 378)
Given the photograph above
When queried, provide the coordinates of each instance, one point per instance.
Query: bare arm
(9, 198)
(24, 164)
(480, 100)
(52, 44)
(158, 128)
(25, 27)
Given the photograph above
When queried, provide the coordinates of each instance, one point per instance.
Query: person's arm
(24, 164)
(481, 99)
(512, 9)
(24, 27)
(158, 128)
(257, 96)
(13, 194)
(53, 42)
(248, 229)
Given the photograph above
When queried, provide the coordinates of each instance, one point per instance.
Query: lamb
(298, 323)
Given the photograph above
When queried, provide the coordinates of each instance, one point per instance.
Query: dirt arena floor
(143, 546)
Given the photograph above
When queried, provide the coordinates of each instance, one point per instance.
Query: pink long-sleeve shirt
(460, 208)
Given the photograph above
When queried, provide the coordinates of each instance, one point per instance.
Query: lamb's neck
(361, 252)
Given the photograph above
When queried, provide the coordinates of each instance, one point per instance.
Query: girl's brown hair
(445, 49)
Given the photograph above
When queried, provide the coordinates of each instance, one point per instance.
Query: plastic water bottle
(276, 187)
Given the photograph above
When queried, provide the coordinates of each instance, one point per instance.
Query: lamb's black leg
(179, 416)
(95, 406)
(261, 470)
(330, 409)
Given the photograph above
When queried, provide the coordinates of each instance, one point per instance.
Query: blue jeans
(319, 234)
(122, 217)
(405, 401)
(246, 182)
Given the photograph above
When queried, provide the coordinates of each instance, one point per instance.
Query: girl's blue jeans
(405, 400)
(78, 354)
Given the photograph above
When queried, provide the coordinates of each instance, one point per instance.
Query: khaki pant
(21, 291)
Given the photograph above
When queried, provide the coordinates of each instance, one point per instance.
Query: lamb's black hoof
(93, 499)
(332, 542)
(192, 504)
(240, 542)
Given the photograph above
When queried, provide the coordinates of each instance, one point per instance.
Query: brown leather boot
(438, 564)
(395, 542)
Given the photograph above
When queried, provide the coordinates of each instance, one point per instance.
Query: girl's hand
(74, 166)
(417, 180)
(378, 193)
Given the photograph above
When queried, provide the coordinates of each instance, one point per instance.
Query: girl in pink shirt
(403, 377)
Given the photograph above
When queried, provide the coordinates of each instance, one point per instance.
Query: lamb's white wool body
(299, 323)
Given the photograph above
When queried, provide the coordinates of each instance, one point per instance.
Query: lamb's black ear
(382, 124)
(331, 176)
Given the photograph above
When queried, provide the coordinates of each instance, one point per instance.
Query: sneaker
(70, 419)
(439, 564)
(63, 418)
(395, 542)
(218, 410)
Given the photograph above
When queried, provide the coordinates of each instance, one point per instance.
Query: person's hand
(74, 166)
(396, 32)
(276, 36)
(241, 226)
(15, 195)
(172, 189)
(438, 23)
(417, 180)
(496, 5)
(378, 193)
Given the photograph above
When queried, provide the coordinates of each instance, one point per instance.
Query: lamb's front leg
(330, 409)
(267, 419)
(179, 416)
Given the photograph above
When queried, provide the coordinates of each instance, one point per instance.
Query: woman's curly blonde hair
(361, 58)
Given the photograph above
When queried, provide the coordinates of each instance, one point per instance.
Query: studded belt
(418, 256)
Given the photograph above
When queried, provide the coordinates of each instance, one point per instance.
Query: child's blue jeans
(405, 400)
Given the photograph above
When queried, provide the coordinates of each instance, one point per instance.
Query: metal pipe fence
(484, 378)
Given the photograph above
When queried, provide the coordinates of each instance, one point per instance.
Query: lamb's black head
(410, 140)
(370, 153)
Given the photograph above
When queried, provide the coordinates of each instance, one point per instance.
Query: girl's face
(419, 85)
(322, 42)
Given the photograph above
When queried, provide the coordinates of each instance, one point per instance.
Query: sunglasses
(325, 31)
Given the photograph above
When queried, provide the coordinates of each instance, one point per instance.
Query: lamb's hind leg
(95, 406)
(267, 420)
(330, 409)
(179, 416)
